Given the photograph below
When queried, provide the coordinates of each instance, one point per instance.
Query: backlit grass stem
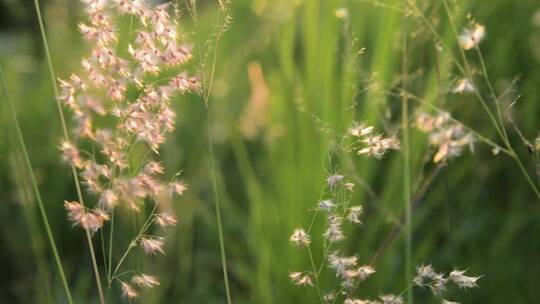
(66, 136)
(406, 165)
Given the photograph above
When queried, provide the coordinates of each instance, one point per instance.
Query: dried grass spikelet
(301, 278)
(471, 37)
(370, 144)
(145, 281)
(128, 291)
(446, 135)
(152, 245)
(300, 237)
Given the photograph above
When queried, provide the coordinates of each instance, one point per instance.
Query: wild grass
(282, 83)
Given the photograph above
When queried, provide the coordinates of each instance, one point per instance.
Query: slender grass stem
(111, 235)
(133, 242)
(206, 92)
(492, 92)
(66, 136)
(37, 193)
(102, 241)
(406, 164)
(218, 209)
(316, 274)
(449, 220)
(527, 176)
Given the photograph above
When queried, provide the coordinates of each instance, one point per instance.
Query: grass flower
(300, 237)
(461, 280)
(152, 246)
(165, 219)
(128, 291)
(464, 86)
(144, 280)
(470, 38)
(447, 136)
(301, 279)
(372, 145)
(354, 214)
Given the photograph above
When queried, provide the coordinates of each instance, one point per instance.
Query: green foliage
(477, 212)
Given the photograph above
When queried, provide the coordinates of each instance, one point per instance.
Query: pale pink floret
(152, 246)
(75, 211)
(128, 291)
(144, 280)
(71, 155)
(165, 219)
(177, 187)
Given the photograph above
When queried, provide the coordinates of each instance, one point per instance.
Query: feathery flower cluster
(446, 135)
(437, 282)
(116, 107)
(464, 86)
(348, 269)
(301, 278)
(470, 38)
(373, 145)
(300, 237)
(349, 272)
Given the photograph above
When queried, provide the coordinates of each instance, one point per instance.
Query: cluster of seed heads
(348, 269)
(448, 137)
(119, 102)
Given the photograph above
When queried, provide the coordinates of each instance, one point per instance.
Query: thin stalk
(316, 274)
(206, 92)
(524, 171)
(492, 91)
(66, 136)
(36, 191)
(133, 243)
(111, 234)
(449, 221)
(102, 241)
(406, 166)
(217, 208)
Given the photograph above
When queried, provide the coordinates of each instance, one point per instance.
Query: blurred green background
(290, 76)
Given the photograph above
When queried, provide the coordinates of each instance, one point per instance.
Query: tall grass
(323, 72)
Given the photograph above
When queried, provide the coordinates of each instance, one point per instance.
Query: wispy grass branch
(206, 92)
(406, 163)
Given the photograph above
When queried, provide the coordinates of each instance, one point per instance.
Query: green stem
(526, 174)
(111, 234)
(406, 166)
(36, 191)
(66, 136)
(133, 243)
(217, 208)
(206, 92)
(492, 92)
(315, 274)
